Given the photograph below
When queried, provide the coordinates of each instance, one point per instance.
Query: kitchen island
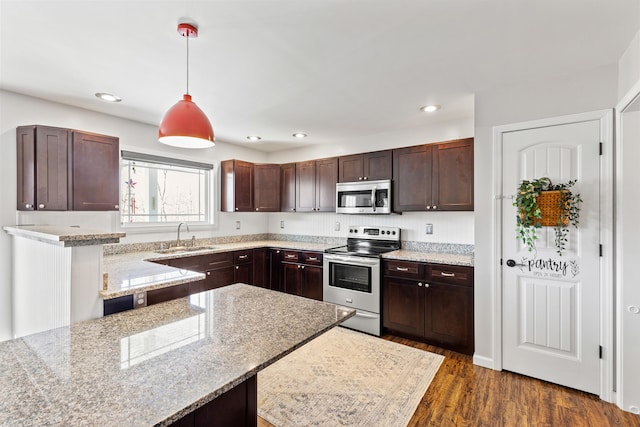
(160, 364)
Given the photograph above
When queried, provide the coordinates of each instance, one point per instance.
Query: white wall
(17, 110)
(628, 233)
(590, 91)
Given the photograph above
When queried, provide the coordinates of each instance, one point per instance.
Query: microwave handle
(373, 197)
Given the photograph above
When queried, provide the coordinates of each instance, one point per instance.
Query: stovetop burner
(369, 241)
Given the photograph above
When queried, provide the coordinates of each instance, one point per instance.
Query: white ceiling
(335, 69)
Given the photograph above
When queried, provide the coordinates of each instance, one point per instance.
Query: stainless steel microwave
(363, 197)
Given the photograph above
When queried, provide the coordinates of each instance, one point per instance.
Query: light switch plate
(237, 225)
(282, 223)
(429, 229)
(337, 226)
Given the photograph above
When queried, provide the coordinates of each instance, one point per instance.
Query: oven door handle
(353, 260)
(365, 315)
(373, 198)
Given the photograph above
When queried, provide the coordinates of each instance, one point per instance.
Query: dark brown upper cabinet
(316, 185)
(43, 168)
(96, 172)
(436, 177)
(288, 187)
(365, 167)
(236, 186)
(267, 188)
(63, 169)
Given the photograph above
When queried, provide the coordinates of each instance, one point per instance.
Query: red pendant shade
(185, 125)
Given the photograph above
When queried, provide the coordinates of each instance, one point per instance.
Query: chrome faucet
(180, 225)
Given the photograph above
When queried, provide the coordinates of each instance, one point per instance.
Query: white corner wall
(590, 91)
(628, 232)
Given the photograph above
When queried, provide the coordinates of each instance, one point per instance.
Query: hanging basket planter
(541, 203)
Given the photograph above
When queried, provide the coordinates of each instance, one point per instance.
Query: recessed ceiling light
(430, 108)
(300, 135)
(108, 97)
(253, 138)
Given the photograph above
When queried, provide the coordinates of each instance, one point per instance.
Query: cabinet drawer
(165, 294)
(187, 263)
(313, 258)
(290, 256)
(240, 257)
(451, 274)
(405, 269)
(214, 261)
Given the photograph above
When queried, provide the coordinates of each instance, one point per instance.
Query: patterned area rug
(346, 378)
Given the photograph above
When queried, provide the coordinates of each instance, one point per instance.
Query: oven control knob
(393, 233)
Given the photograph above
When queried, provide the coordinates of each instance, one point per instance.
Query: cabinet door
(377, 165)
(350, 168)
(96, 172)
(43, 168)
(236, 186)
(449, 316)
(243, 273)
(288, 187)
(311, 282)
(403, 306)
(326, 178)
(260, 268)
(453, 175)
(306, 186)
(267, 188)
(412, 178)
(291, 278)
(275, 269)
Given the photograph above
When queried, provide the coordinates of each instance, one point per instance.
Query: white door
(551, 303)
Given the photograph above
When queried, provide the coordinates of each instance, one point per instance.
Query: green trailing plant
(529, 214)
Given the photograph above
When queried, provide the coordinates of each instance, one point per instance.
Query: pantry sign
(553, 268)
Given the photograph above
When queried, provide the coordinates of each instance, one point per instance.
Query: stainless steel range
(352, 274)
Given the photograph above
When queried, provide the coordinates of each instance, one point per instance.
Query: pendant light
(185, 125)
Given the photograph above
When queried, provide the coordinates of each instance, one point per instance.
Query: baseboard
(485, 362)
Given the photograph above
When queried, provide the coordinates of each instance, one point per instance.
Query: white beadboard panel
(86, 283)
(42, 295)
(448, 227)
(549, 315)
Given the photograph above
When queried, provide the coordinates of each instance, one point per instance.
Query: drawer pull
(292, 256)
(312, 258)
(402, 269)
(243, 256)
(444, 274)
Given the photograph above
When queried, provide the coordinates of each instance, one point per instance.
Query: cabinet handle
(116, 206)
(293, 209)
(366, 178)
(237, 267)
(277, 252)
(420, 284)
(312, 259)
(359, 178)
(434, 207)
(208, 273)
(27, 206)
(243, 256)
(402, 269)
(302, 267)
(291, 256)
(444, 274)
(236, 208)
(257, 209)
(298, 266)
(426, 285)
(40, 206)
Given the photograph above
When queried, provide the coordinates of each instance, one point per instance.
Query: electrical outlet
(429, 229)
(337, 226)
(282, 223)
(237, 225)
(139, 299)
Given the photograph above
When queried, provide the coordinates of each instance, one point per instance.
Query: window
(162, 190)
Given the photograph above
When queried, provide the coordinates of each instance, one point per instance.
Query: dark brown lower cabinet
(434, 306)
(261, 267)
(275, 269)
(302, 274)
(236, 407)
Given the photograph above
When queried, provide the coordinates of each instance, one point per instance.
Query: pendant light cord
(187, 64)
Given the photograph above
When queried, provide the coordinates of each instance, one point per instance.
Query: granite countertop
(154, 365)
(132, 272)
(433, 257)
(64, 235)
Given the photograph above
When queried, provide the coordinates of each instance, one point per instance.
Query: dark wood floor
(463, 394)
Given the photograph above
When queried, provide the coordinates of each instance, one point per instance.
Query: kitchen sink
(183, 249)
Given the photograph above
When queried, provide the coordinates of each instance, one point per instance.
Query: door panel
(551, 303)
